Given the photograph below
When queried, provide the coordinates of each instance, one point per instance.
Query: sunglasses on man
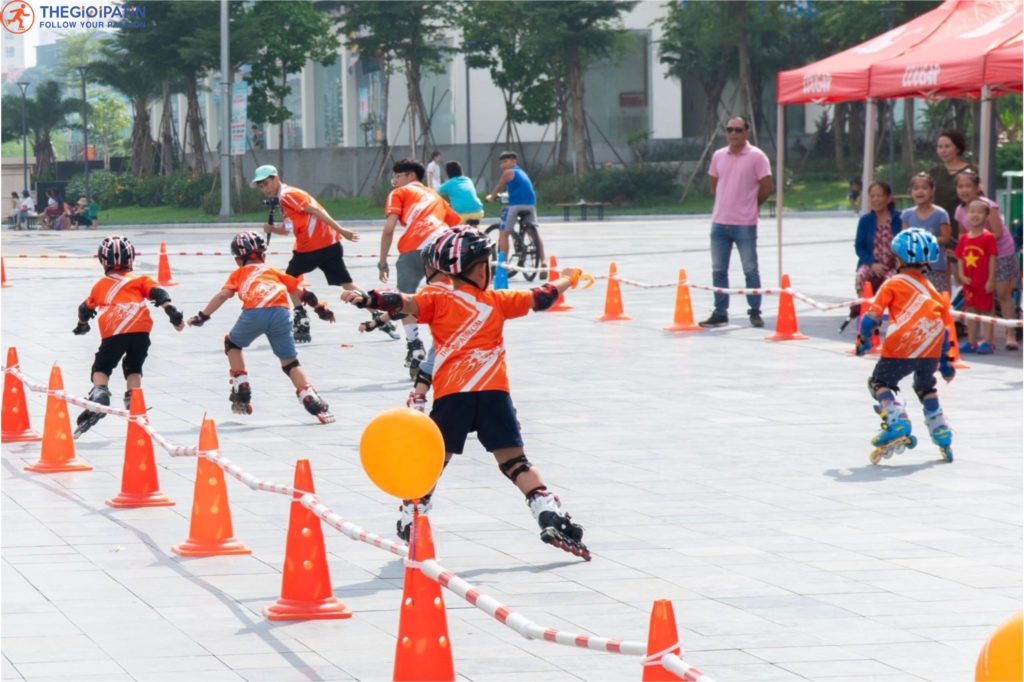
(734, 130)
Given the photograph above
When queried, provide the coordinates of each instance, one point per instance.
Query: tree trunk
(857, 110)
(412, 93)
(166, 133)
(746, 92)
(142, 143)
(839, 117)
(574, 79)
(42, 149)
(194, 125)
(907, 148)
(280, 129)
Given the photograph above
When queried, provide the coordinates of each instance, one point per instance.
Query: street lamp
(24, 135)
(85, 131)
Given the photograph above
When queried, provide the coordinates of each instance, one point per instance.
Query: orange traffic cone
(682, 321)
(424, 649)
(210, 531)
(867, 293)
(954, 342)
(662, 638)
(560, 305)
(306, 591)
(785, 323)
(163, 270)
(58, 451)
(139, 484)
(613, 298)
(16, 428)
(3, 274)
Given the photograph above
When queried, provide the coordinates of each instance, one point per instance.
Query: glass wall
(371, 88)
(328, 112)
(618, 91)
(293, 102)
(438, 106)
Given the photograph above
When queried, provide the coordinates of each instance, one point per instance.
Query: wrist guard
(158, 296)
(309, 298)
(198, 320)
(81, 328)
(544, 297)
(323, 312)
(388, 301)
(85, 313)
(174, 315)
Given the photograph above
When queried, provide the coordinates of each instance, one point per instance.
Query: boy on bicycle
(522, 200)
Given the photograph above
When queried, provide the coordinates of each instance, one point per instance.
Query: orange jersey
(261, 286)
(918, 317)
(421, 211)
(310, 232)
(467, 326)
(121, 299)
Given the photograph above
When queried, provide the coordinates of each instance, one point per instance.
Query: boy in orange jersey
(423, 213)
(471, 387)
(317, 243)
(917, 343)
(120, 297)
(265, 300)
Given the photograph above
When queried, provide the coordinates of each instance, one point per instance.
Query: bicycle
(525, 249)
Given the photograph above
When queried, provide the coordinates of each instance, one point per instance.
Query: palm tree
(125, 73)
(47, 111)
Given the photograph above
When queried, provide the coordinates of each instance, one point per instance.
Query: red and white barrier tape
(429, 568)
(67, 256)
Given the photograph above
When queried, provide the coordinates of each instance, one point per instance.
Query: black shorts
(329, 260)
(490, 413)
(132, 347)
(890, 371)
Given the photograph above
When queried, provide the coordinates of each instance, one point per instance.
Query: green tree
(126, 72)
(404, 37)
(290, 34)
(108, 119)
(46, 111)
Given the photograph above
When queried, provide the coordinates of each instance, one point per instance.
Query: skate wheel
(947, 454)
(898, 450)
(912, 442)
(875, 456)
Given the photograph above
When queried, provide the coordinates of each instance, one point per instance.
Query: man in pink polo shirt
(741, 180)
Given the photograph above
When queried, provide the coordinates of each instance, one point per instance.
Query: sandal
(1012, 345)
(984, 348)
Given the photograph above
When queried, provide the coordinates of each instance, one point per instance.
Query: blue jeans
(745, 239)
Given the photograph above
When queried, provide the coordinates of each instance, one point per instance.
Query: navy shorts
(329, 260)
(890, 371)
(275, 322)
(133, 347)
(489, 413)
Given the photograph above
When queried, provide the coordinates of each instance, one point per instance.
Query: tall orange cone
(58, 451)
(424, 649)
(867, 293)
(613, 298)
(139, 484)
(785, 323)
(163, 270)
(560, 305)
(682, 321)
(3, 275)
(210, 531)
(662, 638)
(306, 591)
(16, 427)
(954, 342)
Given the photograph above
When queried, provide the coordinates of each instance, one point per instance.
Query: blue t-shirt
(938, 217)
(520, 189)
(461, 195)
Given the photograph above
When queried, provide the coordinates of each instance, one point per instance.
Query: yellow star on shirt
(971, 259)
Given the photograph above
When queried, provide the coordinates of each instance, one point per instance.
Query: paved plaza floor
(716, 469)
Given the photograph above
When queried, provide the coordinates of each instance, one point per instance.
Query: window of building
(293, 103)
(438, 106)
(328, 112)
(371, 87)
(618, 91)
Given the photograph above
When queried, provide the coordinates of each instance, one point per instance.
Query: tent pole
(868, 175)
(780, 178)
(985, 148)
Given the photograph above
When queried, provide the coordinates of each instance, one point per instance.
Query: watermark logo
(18, 16)
(817, 83)
(91, 16)
(917, 75)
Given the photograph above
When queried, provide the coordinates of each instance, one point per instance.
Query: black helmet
(464, 250)
(245, 245)
(116, 253)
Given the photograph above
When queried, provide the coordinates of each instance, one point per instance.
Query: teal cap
(263, 172)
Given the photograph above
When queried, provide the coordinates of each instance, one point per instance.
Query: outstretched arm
(545, 296)
(391, 302)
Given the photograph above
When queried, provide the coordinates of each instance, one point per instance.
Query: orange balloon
(402, 451)
(1001, 659)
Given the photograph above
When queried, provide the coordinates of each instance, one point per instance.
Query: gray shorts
(409, 269)
(276, 323)
(510, 214)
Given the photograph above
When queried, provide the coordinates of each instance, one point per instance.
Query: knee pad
(287, 369)
(875, 384)
(230, 345)
(924, 392)
(515, 467)
(130, 369)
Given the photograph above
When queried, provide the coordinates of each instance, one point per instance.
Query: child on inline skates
(120, 297)
(976, 258)
(265, 306)
(917, 343)
(471, 387)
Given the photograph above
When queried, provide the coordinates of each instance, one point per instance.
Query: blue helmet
(915, 246)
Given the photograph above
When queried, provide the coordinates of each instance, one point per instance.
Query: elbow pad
(85, 313)
(159, 296)
(544, 297)
(309, 298)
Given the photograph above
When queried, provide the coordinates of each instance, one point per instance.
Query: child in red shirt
(265, 305)
(976, 258)
(120, 298)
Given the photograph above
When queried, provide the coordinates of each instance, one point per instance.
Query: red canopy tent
(957, 49)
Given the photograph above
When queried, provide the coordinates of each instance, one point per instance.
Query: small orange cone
(16, 427)
(58, 450)
(424, 649)
(867, 293)
(954, 342)
(210, 531)
(139, 484)
(613, 298)
(306, 591)
(163, 270)
(3, 275)
(785, 323)
(682, 321)
(662, 638)
(560, 305)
